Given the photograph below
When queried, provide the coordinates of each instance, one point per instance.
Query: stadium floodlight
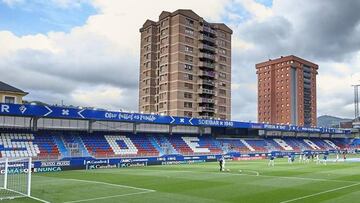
(15, 178)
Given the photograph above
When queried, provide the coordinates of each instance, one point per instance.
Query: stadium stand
(50, 145)
(25, 145)
(355, 144)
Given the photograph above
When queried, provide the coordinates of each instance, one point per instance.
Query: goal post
(15, 177)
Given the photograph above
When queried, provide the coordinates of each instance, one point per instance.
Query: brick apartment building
(287, 91)
(185, 66)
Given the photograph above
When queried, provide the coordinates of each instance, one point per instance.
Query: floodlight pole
(356, 100)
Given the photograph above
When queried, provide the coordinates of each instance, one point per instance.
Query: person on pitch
(222, 163)
(272, 160)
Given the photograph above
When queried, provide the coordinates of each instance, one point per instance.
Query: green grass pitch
(247, 181)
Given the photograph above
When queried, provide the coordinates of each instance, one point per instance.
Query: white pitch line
(25, 195)
(38, 199)
(310, 179)
(320, 193)
(108, 197)
(268, 176)
(110, 184)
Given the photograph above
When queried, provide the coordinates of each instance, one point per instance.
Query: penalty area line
(110, 184)
(108, 197)
(320, 193)
(38, 199)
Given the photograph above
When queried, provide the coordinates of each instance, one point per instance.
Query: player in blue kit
(271, 160)
(325, 158)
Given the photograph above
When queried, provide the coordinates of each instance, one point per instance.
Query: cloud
(12, 3)
(98, 61)
(325, 32)
(258, 11)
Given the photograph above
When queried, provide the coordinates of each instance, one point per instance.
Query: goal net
(15, 177)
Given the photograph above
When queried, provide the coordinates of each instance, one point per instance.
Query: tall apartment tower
(287, 91)
(185, 66)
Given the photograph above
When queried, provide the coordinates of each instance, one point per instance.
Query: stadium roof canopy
(61, 112)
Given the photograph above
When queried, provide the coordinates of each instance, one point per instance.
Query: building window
(222, 100)
(189, 31)
(222, 109)
(222, 66)
(9, 100)
(189, 40)
(223, 59)
(188, 85)
(187, 95)
(188, 113)
(189, 22)
(163, 41)
(188, 76)
(222, 75)
(163, 32)
(222, 51)
(188, 58)
(222, 43)
(189, 49)
(164, 22)
(188, 67)
(221, 34)
(222, 92)
(188, 104)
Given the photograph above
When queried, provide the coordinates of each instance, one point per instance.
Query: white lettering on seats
(311, 144)
(283, 144)
(131, 148)
(247, 145)
(193, 143)
(331, 144)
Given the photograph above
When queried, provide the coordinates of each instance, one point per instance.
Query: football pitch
(247, 181)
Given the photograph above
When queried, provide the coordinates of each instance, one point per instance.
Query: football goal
(15, 178)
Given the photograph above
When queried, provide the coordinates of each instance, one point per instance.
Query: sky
(86, 52)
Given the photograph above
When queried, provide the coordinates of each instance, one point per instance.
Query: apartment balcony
(207, 47)
(307, 75)
(206, 109)
(208, 30)
(306, 80)
(207, 56)
(206, 64)
(206, 100)
(206, 82)
(206, 91)
(210, 74)
(207, 38)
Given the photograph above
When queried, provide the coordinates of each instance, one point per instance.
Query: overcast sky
(86, 52)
